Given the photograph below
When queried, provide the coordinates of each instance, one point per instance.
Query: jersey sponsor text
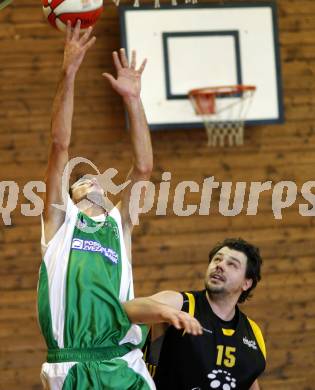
(94, 246)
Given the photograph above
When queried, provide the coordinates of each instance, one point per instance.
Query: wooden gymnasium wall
(168, 251)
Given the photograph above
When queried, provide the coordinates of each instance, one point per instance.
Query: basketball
(58, 12)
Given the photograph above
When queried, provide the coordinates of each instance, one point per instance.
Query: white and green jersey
(84, 277)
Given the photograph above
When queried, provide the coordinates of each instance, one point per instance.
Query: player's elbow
(144, 170)
(59, 144)
(132, 310)
(128, 309)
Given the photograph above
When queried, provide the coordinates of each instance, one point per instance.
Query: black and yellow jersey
(228, 356)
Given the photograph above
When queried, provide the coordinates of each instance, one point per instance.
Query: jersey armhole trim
(259, 336)
(191, 306)
(70, 210)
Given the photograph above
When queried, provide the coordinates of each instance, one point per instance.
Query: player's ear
(247, 284)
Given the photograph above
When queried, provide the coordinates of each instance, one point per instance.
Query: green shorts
(125, 372)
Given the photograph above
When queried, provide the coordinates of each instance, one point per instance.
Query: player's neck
(223, 306)
(94, 211)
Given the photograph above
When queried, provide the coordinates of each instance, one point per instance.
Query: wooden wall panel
(168, 251)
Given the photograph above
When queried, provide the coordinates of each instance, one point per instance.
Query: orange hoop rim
(221, 90)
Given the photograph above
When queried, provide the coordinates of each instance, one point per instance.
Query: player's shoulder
(190, 295)
(195, 293)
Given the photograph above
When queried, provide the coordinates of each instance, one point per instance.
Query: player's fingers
(86, 35)
(173, 320)
(76, 31)
(123, 58)
(89, 43)
(133, 59)
(116, 61)
(185, 322)
(197, 327)
(189, 327)
(142, 66)
(109, 77)
(192, 325)
(68, 31)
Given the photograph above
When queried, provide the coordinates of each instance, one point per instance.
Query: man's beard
(214, 291)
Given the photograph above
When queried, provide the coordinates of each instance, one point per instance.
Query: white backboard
(198, 46)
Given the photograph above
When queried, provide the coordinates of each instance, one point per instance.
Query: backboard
(196, 46)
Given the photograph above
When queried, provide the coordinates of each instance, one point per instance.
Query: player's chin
(214, 287)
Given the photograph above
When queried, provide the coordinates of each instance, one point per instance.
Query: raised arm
(163, 307)
(61, 124)
(128, 86)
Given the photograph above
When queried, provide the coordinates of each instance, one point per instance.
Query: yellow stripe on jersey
(191, 306)
(259, 336)
(153, 371)
(151, 368)
(145, 353)
(228, 332)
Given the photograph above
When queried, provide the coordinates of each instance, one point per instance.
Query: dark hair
(70, 192)
(254, 261)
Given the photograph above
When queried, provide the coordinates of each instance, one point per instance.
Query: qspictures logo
(233, 199)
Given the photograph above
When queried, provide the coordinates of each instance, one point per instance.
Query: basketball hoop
(223, 111)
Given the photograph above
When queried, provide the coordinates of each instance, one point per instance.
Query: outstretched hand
(182, 320)
(128, 81)
(76, 47)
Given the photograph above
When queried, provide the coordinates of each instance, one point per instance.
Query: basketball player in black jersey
(230, 355)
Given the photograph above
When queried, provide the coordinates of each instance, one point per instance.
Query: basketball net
(223, 111)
